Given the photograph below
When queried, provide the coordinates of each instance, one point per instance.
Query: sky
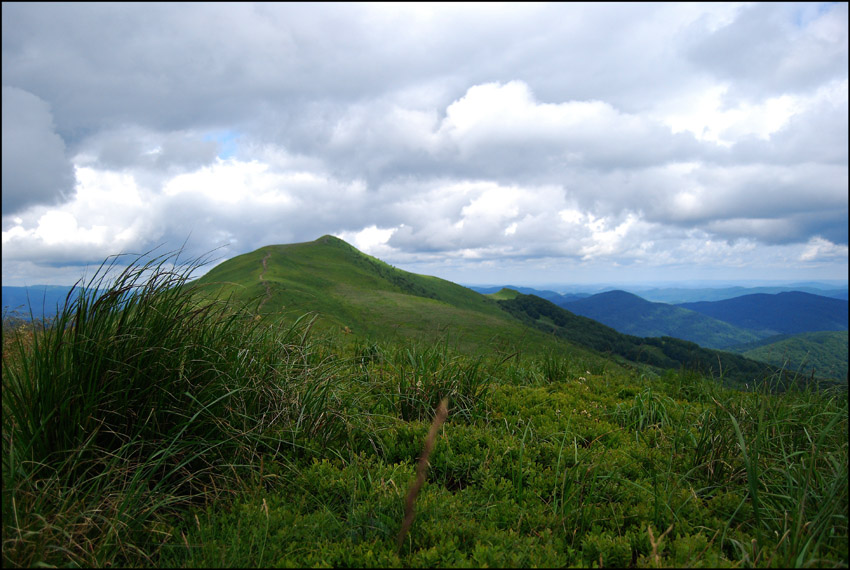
(483, 143)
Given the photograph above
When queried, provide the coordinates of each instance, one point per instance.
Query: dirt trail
(263, 279)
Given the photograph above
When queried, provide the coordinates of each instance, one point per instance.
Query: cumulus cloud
(815, 131)
(108, 214)
(556, 138)
(768, 50)
(136, 148)
(35, 167)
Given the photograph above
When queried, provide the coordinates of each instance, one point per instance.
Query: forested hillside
(661, 352)
(822, 353)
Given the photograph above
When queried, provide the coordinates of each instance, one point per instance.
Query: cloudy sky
(483, 143)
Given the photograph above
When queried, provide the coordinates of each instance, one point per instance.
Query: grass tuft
(137, 400)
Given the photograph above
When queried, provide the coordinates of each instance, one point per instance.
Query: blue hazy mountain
(679, 295)
(782, 313)
(37, 301)
(630, 314)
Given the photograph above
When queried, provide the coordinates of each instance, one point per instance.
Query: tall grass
(423, 375)
(648, 409)
(137, 399)
(789, 453)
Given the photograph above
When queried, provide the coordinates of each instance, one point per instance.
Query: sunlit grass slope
(503, 294)
(366, 297)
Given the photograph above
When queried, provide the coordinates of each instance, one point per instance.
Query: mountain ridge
(357, 293)
(631, 314)
(788, 312)
(369, 298)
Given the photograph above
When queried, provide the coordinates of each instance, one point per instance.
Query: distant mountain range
(783, 313)
(662, 352)
(794, 330)
(679, 295)
(37, 301)
(670, 295)
(633, 315)
(716, 324)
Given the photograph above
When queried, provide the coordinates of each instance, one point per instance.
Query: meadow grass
(149, 425)
(136, 401)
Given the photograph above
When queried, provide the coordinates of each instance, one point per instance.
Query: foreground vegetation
(145, 429)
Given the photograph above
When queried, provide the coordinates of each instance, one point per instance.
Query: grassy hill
(557, 298)
(783, 313)
(823, 353)
(366, 299)
(153, 426)
(631, 314)
(503, 294)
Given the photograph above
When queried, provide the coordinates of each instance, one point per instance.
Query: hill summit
(369, 300)
(355, 292)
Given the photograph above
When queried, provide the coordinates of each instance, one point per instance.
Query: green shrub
(606, 550)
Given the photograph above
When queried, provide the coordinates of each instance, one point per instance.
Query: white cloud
(708, 118)
(371, 240)
(101, 219)
(545, 136)
(773, 49)
(232, 182)
(819, 249)
(493, 120)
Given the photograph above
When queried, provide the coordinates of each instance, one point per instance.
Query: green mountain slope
(557, 298)
(823, 353)
(367, 298)
(631, 314)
